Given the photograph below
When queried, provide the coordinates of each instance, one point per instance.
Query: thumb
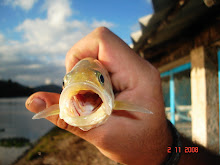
(42, 100)
(37, 102)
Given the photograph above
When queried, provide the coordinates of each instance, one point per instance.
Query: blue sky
(36, 34)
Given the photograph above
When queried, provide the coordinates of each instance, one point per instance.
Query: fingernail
(37, 104)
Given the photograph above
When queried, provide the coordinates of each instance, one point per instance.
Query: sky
(35, 35)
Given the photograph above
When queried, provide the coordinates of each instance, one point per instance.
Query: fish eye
(101, 78)
(63, 84)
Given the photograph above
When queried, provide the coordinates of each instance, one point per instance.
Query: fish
(87, 99)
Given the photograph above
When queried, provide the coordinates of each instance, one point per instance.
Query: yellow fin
(123, 105)
(50, 111)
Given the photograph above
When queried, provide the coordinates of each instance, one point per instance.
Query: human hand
(127, 137)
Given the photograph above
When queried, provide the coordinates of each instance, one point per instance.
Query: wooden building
(182, 39)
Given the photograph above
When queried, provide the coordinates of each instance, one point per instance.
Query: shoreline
(61, 147)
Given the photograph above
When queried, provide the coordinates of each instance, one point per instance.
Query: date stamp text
(183, 149)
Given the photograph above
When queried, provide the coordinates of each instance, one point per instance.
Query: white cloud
(96, 24)
(55, 34)
(2, 39)
(149, 1)
(41, 53)
(24, 4)
(57, 11)
(35, 76)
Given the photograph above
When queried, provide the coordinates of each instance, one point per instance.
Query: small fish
(87, 99)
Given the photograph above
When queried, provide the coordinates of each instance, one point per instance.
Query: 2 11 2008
(186, 149)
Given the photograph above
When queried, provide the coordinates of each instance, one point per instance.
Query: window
(176, 87)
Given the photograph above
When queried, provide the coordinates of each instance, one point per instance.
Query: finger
(41, 100)
(103, 45)
(113, 53)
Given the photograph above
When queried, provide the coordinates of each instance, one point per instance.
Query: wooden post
(204, 91)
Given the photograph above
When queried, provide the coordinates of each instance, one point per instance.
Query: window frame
(171, 73)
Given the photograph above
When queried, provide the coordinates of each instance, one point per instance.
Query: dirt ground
(59, 147)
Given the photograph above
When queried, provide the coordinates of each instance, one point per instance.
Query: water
(15, 121)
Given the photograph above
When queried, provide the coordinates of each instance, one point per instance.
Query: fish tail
(122, 105)
(50, 111)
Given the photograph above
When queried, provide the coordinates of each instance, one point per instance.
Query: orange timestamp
(183, 149)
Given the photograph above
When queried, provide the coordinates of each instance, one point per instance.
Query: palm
(126, 136)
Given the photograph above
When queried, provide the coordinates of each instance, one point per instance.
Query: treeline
(14, 89)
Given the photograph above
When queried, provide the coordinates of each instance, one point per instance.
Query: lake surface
(16, 121)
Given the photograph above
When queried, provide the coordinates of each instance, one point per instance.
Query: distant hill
(49, 88)
(14, 89)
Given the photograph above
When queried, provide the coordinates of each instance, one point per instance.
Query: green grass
(14, 142)
(47, 143)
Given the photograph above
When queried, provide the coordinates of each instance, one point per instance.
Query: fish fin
(123, 105)
(50, 111)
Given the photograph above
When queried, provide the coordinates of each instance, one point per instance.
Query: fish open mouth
(84, 103)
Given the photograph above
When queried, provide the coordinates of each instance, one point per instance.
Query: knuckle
(101, 32)
(68, 55)
(157, 74)
(38, 93)
(63, 125)
(60, 123)
(157, 77)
